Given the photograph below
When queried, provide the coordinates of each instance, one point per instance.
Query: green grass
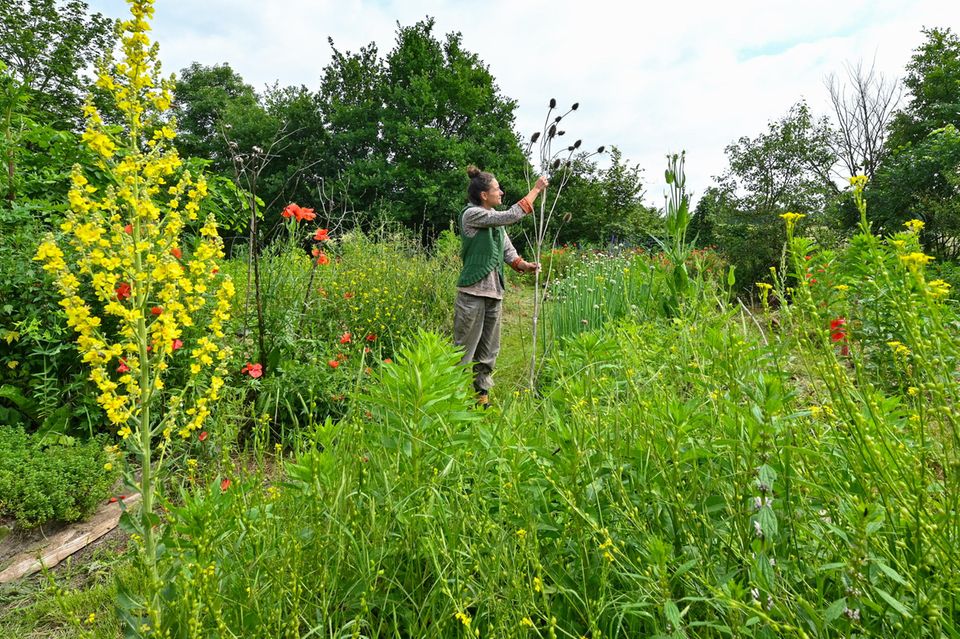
(57, 604)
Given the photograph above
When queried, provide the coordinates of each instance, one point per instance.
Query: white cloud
(651, 78)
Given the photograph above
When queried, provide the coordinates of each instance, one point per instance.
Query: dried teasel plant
(558, 167)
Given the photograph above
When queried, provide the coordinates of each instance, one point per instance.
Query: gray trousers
(476, 329)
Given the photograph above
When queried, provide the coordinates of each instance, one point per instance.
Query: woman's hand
(542, 183)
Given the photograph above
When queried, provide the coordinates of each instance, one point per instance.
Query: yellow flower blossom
(938, 288)
(914, 226)
(915, 260)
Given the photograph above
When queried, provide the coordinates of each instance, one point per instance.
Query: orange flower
(224, 485)
(301, 214)
(333, 363)
(371, 337)
(177, 253)
(128, 229)
(322, 235)
(322, 259)
(156, 310)
(345, 338)
(347, 295)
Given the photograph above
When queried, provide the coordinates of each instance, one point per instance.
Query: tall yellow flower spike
(128, 284)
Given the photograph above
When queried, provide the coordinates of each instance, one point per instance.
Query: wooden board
(66, 542)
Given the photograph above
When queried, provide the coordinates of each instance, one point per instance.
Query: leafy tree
(786, 168)
(47, 45)
(206, 99)
(933, 84)
(404, 127)
(920, 177)
(606, 205)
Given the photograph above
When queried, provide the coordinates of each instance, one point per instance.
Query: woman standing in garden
(485, 248)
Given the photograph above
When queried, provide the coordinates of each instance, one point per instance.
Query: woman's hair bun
(472, 171)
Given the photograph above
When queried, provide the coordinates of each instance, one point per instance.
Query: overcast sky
(651, 78)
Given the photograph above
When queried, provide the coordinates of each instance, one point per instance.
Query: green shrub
(41, 482)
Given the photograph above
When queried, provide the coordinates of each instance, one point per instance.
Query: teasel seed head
(553, 131)
(576, 144)
(534, 137)
(576, 105)
(560, 132)
(553, 103)
(567, 217)
(558, 118)
(556, 164)
(600, 150)
(570, 148)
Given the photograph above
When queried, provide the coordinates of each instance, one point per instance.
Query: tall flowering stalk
(123, 245)
(558, 166)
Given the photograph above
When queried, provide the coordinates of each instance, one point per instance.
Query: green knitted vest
(481, 254)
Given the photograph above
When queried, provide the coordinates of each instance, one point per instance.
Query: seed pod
(570, 148)
(567, 217)
(560, 132)
(558, 118)
(600, 150)
(534, 137)
(556, 164)
(576, 105)
(553, 131)
(553, 103)
(576, 144)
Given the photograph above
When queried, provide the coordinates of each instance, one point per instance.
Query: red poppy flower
(323, 260)
(371, 337)
(215, 271)
(388, 361)
(347, 295)
(315, 252)
(838, 331)
(177, 345)
(300, 214)
(128, 229)
(123, 291)
(177, 253)
(202, 436)
(224, 485)
(253, 370)
(113, 500)
(345, 338)
(156, 310)
(333, 363)
(366, 349)
(123, 368)
(322, 235)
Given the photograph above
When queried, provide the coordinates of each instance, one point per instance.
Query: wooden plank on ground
(66, 542)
